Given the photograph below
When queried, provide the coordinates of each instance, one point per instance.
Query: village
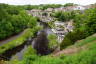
(42, 32)
(61, 28)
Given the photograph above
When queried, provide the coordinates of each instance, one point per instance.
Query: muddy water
(18, 52)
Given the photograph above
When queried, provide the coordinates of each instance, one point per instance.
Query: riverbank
(20, 40)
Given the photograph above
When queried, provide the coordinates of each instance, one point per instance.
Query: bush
(30, 55)
(64, 16)
(71, 38)
(66, 42)
(52, 40)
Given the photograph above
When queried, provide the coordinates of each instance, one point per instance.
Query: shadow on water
(11, 52)
(40, 43)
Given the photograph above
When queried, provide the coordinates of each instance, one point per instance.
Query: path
(10, 38)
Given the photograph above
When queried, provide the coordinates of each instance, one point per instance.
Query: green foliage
(48, 60)
(86, 22)
(69, 4)
(85, 25)
(41, 6)
(14, 20)
(87, 56)
(52, 40)
(71, 38)
(32, 22)
(86, 41)
(51, 24)
(63, 16)
(20, 40)
(30, 55)
(66, 42)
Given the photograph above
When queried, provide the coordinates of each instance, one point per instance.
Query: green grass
(86, 41)
(87, 56)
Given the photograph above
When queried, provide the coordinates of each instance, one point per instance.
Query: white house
(58, 23)
(79, 8)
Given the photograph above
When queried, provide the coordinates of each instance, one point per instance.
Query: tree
(69, 4)
(64, 16)
(14, 20)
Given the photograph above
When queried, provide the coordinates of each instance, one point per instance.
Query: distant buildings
(71, 8)
(44, 15)
(48, 11)
(61, 28)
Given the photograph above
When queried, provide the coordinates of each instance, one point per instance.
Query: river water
(17, 52)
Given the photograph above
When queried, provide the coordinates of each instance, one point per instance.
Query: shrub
(52, 40)
(66, 42)
(71, 38)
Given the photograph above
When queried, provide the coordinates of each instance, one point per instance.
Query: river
(17, 52)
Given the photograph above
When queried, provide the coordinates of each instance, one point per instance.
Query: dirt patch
(69, 51)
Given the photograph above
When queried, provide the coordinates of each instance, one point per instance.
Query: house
(76, 7)
(79, 8)
(58, 23)
(70, 26)
(49, 10)
(60, 9)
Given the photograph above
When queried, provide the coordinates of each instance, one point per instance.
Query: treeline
(42, 6)
(13, 20)
(45, 6)
(85, 25)
(63, 16)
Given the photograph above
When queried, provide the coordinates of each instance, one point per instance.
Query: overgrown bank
(20, 40)
(84, 56)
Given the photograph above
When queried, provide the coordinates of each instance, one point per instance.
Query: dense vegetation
(53, 40)
(69, 4)
(45, 6)
(42, 7)
(63, 16)
(85, 25)
(20, 40)
(13, 20)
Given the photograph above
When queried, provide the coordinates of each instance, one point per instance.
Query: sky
(37, 2)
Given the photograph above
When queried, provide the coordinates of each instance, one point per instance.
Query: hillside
(79, 46)
(83, 52)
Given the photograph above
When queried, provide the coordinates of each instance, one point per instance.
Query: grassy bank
(86, 54)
